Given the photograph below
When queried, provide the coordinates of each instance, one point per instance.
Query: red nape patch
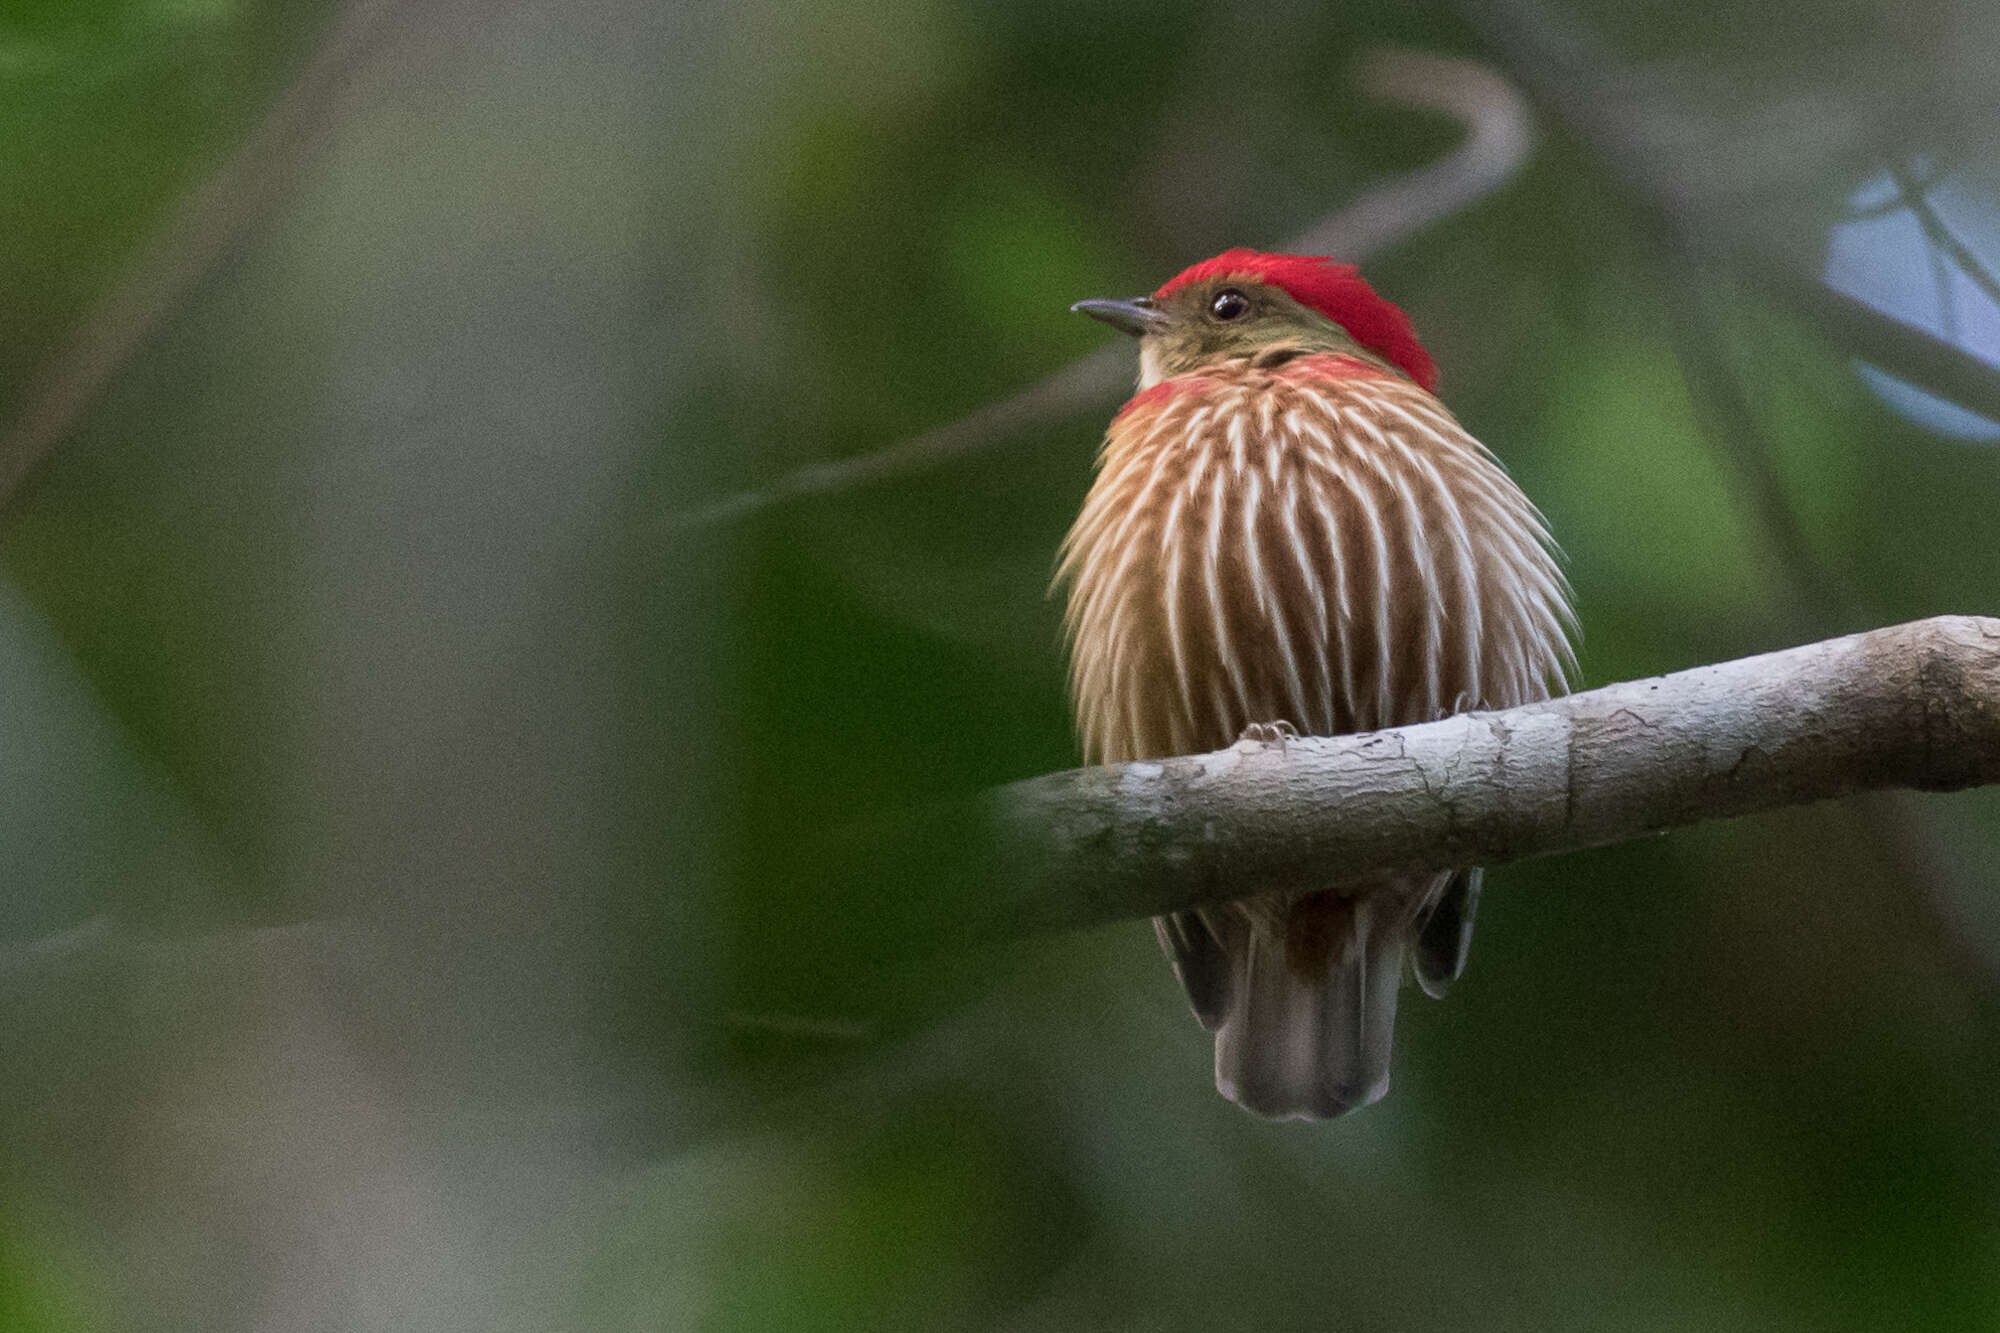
(1337, 291)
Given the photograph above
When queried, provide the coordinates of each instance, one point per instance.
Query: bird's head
(1245, 304)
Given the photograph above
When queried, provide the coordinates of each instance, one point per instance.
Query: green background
(413, 896)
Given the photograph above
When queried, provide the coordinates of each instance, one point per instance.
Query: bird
(1288, 534)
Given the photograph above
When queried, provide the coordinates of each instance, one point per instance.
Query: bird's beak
(1137, 317)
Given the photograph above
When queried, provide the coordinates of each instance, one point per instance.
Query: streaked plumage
(1294, 530)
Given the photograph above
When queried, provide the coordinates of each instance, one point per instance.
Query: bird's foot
(1462, 702)
(1280, 734)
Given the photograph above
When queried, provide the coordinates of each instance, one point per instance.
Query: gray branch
(1499, 138)
(1912, 706)
(1582, 85)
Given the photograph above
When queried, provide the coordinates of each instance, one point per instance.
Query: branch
(1914, 706)
(1580, 85)
(175, 259)
(1813, 600)
(1499, 138)
(1883, 341)
(1915, 193)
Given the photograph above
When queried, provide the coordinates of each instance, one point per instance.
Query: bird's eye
(1229, 304)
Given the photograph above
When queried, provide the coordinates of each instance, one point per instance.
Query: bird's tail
(1311, 1011)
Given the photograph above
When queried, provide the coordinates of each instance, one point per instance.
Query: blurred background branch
(1635, 128)
(1911, 192)
(1499, 137)
(1814, 601)
(1646, 143)
(197, 236)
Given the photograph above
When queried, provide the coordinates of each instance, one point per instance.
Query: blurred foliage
(420, 907)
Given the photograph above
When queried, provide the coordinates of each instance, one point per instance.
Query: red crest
(1337, 291)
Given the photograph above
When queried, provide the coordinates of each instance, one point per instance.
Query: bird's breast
(1317, 543)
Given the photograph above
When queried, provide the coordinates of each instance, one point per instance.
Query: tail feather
(1201, 960)
(1444, 934)
(1310, 1047)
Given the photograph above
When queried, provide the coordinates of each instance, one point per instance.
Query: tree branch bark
(1914, 706)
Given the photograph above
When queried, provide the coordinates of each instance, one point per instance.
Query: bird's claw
(1280, 734)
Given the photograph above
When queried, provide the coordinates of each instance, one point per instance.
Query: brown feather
(1307, 539)
(1359, 562)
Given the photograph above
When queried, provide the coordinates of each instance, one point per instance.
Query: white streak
(1467, 607)
(1297, 710)
(1384, 653)
(1171, 551)
(1225, 647)
(1342, 646)
(1422, 560)
(1315, 595)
